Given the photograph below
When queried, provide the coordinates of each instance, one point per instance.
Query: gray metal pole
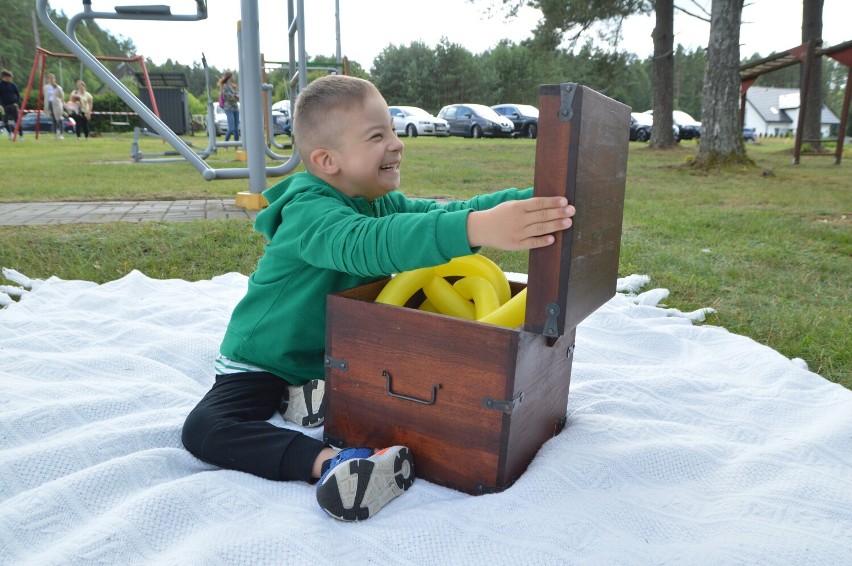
(250, 95)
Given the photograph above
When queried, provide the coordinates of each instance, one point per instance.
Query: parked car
(523, 116)
(750, 134)
(690, 128)
(280, 122)
(282, 106)
(45, 124)
(640, 127)
(476, 121)
(413, 121)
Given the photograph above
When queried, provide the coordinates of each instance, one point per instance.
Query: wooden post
(803, 101)
(844, 117)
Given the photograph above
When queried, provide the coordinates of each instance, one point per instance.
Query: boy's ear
(323, 160)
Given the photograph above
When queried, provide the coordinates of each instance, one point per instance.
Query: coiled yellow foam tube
(511, 313)
(447, 301)
(480, 291)
(478, 265)
(403, 285)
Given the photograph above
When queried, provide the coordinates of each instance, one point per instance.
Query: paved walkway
(32, 213)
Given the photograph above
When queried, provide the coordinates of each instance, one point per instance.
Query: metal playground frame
(250, 79)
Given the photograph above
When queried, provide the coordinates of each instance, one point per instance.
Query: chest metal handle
(435, 388)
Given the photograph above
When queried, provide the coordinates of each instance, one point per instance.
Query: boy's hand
(519, 224)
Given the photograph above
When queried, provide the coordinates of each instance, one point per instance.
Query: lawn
(768, 247)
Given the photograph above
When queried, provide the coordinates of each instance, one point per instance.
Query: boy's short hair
(313, 123)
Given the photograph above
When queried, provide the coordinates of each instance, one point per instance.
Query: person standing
(231, 97)
(54, 104)
(81, 101)
(10, 99)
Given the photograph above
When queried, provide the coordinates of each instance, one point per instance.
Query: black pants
(10, 116)
(82, 124)
(229, 428)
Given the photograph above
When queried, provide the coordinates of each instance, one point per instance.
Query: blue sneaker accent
(359, 482)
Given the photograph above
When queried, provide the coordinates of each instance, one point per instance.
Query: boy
(339, 225)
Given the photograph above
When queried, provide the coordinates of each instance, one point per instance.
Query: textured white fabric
(684, 445)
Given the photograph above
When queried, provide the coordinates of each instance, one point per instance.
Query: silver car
(413, 121)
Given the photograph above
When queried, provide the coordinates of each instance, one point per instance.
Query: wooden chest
(474, 401)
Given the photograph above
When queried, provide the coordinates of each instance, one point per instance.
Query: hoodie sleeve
(480, 202)
(327, 233)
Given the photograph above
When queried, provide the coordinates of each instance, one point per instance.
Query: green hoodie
(322, 241)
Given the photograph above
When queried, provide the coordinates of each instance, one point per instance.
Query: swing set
(39, 64)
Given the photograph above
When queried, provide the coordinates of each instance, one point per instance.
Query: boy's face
(368, 152)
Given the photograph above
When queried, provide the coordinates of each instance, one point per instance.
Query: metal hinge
(551, 328)
(332, 363)
(566, 96)
(503, 406)
(570, 351)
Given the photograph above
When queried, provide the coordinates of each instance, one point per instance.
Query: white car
(413, 121)
(282, 106)
(688, 126)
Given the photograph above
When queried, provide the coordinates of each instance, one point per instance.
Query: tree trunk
(812, 29)
(721, 136)
(663, 34)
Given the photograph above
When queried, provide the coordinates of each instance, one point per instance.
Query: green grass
(769, 247)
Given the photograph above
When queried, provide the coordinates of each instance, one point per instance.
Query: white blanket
(684, 445)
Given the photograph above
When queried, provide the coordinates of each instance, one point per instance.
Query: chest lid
(581, 153)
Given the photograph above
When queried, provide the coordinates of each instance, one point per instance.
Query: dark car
(640, 127)
(28, 123)
(750, 134)
(523, 116)
(476, 121)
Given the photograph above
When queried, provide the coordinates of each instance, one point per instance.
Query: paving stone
(19, 213)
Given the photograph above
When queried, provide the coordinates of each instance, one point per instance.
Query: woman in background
(81, 102)
(231, 97)
(54, 104)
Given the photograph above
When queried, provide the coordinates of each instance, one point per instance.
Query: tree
(663, 34)
(812, 31)
(459, 76)
(406, 75)
(721, 137)
(574, 17)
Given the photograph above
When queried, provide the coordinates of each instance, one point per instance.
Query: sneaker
(303, 404)
(359, 482)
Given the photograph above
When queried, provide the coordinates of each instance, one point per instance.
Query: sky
(368, 26)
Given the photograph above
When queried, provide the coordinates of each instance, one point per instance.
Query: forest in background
(417, 74)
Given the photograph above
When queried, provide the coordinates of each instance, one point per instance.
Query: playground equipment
(806, 55)
(249, 69)
(213, 144)
(39, 64)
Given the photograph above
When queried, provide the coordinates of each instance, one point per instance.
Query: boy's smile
(367, 153)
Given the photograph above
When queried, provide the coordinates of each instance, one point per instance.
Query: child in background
(341, 224)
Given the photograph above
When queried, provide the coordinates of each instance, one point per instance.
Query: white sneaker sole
(308, 412)
(357, 489)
